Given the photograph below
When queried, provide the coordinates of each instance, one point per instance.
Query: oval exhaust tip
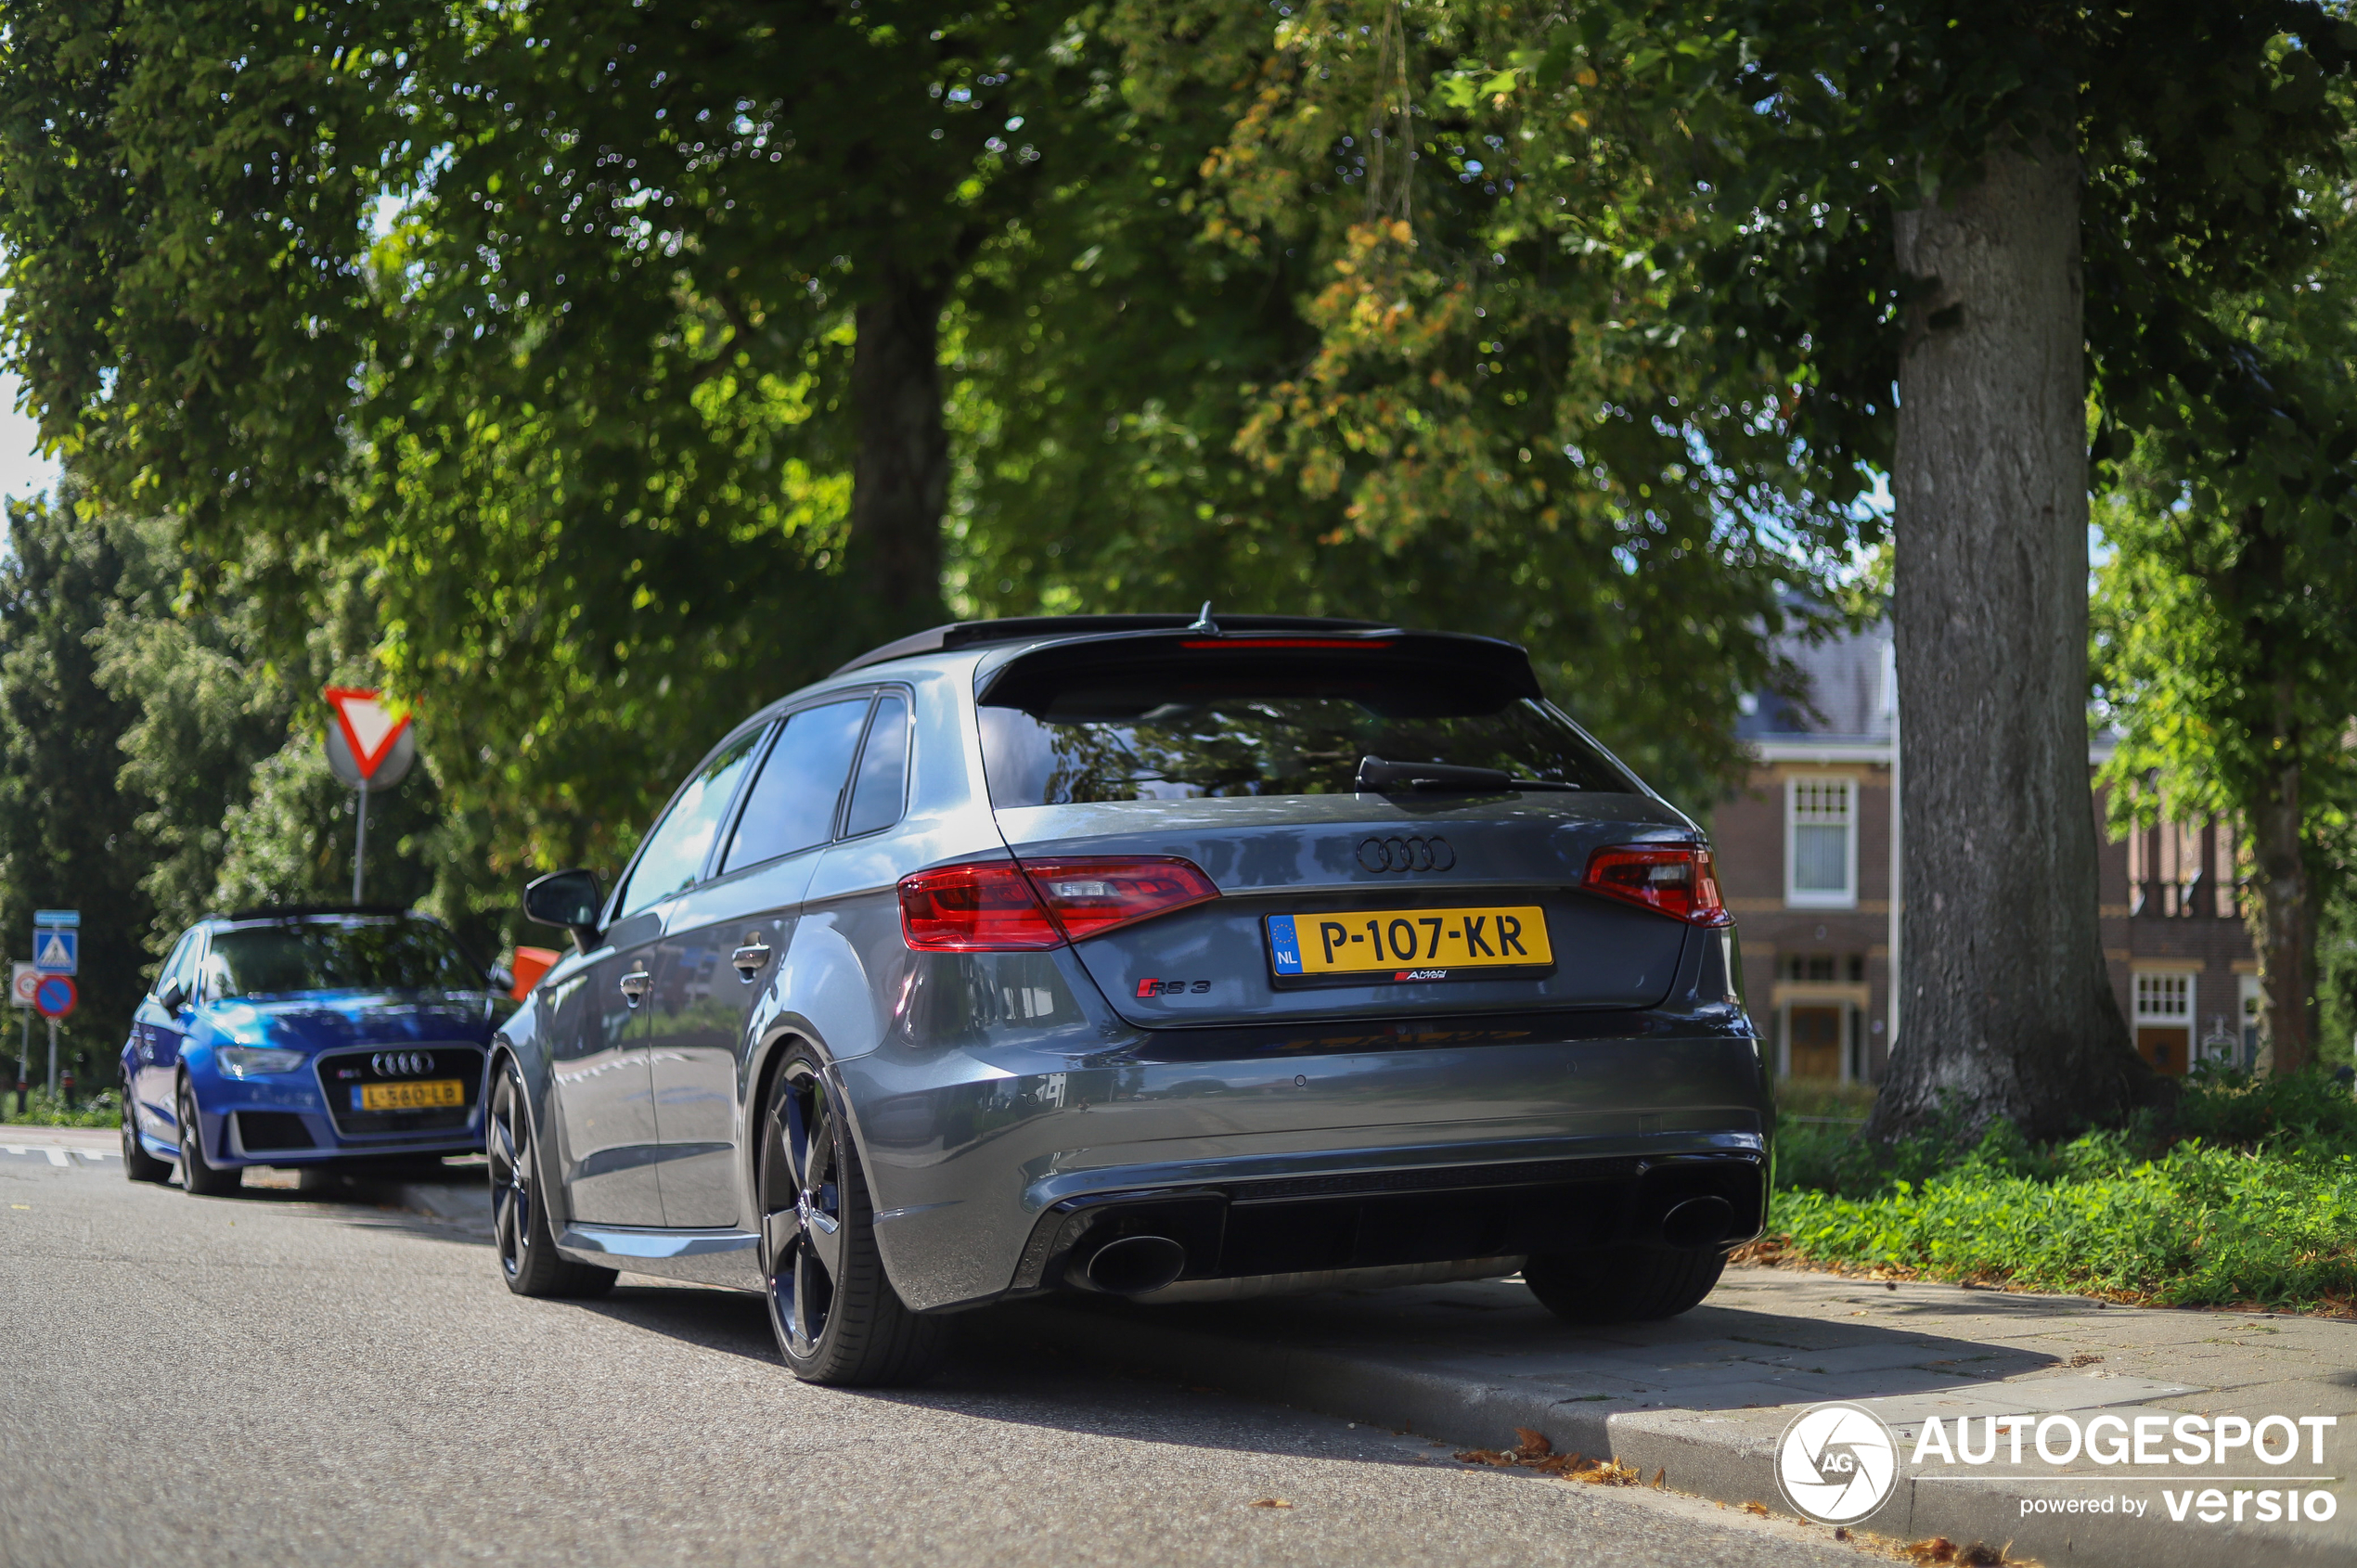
(1698, 1222)
(1135, 1264)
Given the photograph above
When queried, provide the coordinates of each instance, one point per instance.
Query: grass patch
(43, 1110)
(2246, 1196)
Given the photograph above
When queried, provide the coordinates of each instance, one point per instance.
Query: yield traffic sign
(54, 995)
(369, 727)
(56, 952)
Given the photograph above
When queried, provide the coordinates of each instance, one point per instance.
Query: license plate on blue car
(428, 1094)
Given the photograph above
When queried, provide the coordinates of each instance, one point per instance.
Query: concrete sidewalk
(1705, 1398)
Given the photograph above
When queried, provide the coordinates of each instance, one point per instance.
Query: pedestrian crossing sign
(57, 951)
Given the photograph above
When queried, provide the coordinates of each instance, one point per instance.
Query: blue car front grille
(344, 1073)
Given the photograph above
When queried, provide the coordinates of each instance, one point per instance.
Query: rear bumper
(1397, 1215)
(996, 1170)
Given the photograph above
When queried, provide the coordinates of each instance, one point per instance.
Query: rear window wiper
(1378, 777)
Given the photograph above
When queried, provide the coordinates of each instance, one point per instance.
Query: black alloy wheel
(199, 1175)
(837, 1318)
(138, 1163)
(528, 1255)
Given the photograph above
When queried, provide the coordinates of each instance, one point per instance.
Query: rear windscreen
(1182, 732)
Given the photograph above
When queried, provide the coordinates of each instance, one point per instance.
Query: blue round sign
(55, 997)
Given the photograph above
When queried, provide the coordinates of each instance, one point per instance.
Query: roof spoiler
(1420, 665)
(1028, 628)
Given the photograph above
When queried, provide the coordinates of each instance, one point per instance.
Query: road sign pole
(360, 847)
(52, 1061)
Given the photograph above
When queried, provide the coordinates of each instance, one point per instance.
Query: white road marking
(57, 1157)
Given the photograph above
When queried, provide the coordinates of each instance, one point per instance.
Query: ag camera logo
(1836, 1463)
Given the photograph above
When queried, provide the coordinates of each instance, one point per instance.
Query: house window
(2165, 1022)
(1820, 842)
(2164, 999)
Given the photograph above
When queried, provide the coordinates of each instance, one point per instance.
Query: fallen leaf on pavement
(1940, 1551)
(1535, 1453)
(1271, 1502)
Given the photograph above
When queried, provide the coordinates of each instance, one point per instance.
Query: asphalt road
(268, 1379)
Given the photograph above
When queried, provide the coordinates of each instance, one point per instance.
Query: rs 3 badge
(1171, 988)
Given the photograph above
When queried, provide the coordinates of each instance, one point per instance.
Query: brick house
(1805, 852)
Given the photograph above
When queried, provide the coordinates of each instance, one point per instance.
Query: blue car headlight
(249, 1062)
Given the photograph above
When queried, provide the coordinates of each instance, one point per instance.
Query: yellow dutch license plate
(429, 1093)
(1410, 944)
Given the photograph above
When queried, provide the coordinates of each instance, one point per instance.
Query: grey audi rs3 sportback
(1168, 960)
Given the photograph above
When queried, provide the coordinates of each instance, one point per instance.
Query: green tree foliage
(1783, 161)
(565, 318)
(2227, 647)
(156, 764)
(574, 327)
(1380, 378)
(204, 709)
(69, 832)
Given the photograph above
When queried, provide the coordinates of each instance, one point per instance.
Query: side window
(677, 849)
(212, 979)
(791, 805)
(882, 779)
(178, 965)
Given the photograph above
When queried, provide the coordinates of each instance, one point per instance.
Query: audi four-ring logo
(1406, 854)
(402, 1064)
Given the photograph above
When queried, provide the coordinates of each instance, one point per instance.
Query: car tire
(837, 1318)
(1623, 1284)
(199, 1175)
(526, 1248)
(138, 1163)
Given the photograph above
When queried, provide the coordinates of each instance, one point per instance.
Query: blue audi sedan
(306, 1037)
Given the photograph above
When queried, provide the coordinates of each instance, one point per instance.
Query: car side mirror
(571, 899)
(173, 997)
(500, 978)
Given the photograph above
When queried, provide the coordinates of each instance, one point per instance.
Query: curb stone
(1712, 1455)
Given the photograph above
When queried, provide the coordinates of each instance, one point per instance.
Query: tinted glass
(675, 850)
(353, 954)
(1258, 737)
(178, 965)
(792, 803)
(884, 770)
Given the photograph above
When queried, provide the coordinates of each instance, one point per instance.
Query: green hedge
(2246, 1195)
(41, 1110)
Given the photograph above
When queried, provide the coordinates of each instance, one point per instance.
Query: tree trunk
(900, 471)
(2285, 917)
(2007, 1011)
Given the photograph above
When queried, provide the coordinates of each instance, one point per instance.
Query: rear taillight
(974, 909)
(1002, 907)
(1094, 895)
(1672, 879)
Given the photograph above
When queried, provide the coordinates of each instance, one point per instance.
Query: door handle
(635, 986)
(750, 959)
